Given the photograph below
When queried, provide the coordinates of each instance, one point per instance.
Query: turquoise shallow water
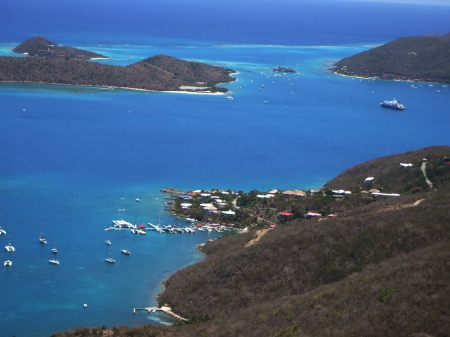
(66, 160)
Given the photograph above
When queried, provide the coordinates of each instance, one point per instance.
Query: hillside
(159, 73)
(38, 46)
(422, 58)
(380, 268)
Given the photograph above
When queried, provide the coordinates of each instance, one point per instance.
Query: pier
(166, 310)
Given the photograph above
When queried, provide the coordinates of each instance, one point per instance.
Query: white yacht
(110, 260)
(54, 250)
(108, 242)
(121, 223)
(52, 261)
(7, 263)
(10, 248)
(125, 251)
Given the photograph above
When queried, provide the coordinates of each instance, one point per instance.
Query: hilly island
(419, 58)
(379, 266)
(48, 62)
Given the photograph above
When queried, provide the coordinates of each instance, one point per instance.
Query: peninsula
(50, 63)
(420, 58)
(379, 266)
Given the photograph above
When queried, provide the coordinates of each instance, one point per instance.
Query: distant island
(40, 47)
(48, 62)
(421, 58)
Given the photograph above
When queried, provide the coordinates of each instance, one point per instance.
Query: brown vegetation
(68, 66)
(369, 273)
(421, 58)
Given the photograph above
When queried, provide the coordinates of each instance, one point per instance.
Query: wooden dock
(166, 310)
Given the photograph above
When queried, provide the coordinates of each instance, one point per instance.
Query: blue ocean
(69, 154)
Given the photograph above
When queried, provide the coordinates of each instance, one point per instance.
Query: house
(287, 193)
(299, 194)
(286, 215)
(312, 215)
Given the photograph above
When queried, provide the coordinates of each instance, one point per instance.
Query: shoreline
(123, 88)
(383, 79)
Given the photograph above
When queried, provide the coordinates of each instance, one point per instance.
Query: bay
(69, 153)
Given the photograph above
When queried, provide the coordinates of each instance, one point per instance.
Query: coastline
(122, 88)
(375, 78)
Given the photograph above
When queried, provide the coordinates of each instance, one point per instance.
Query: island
(420, 58)
(40, 47)
(48, 62)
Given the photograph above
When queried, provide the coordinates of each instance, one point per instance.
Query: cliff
(422, 58)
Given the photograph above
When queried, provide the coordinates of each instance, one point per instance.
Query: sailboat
(54, 250)
(53, 261)
(8, 262)
(10, 247)
(124, 250)
(42, 239)
(109, 259)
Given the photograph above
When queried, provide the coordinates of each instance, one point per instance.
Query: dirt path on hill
(258, 235)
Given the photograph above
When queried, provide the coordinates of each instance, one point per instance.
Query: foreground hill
(159, 73)
(422, 58)
(381, 268)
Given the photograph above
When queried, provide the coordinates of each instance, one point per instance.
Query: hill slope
(38, 46)
(380, 269)
(69, 66)
(422, 58)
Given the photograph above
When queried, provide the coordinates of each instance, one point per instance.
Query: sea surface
(68, 154)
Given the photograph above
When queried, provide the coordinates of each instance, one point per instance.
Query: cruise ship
(394, 104)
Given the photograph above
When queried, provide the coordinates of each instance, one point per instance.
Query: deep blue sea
(68, 154)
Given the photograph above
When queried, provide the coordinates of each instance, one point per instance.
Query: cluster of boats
(10, 248)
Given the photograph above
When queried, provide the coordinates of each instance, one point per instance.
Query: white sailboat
(7, 263)
(10, 247)
(42, 239)
(109, 259)
(124, 250)
(53, 261)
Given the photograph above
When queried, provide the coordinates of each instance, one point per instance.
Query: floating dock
(166, 310)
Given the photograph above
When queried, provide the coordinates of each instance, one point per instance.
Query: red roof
(141, 226)
(286, 214)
